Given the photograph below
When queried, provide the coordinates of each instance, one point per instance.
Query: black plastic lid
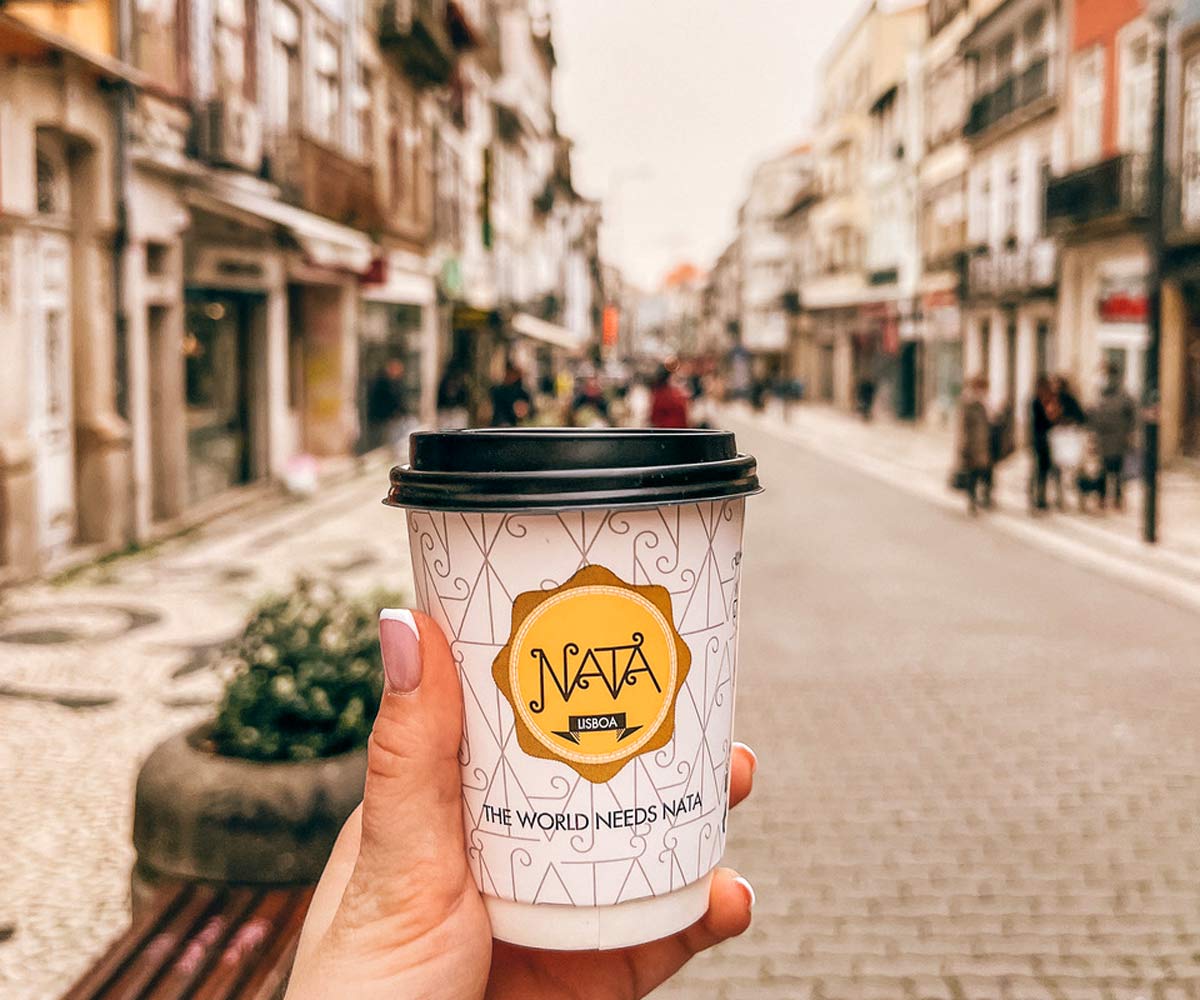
(559, 468)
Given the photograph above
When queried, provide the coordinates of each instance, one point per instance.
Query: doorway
(1010, 364)
(52, 425)
(218, 390)
(908, 380)
(1189, 438)
(51, 368)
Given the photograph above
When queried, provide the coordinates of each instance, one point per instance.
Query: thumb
(412, 863)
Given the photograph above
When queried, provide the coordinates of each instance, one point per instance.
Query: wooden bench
(202, 942)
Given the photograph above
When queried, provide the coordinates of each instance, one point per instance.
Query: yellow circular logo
(592, 671)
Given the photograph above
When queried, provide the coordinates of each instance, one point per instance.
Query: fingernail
(748, 889)
(400, 643)
(753, 758)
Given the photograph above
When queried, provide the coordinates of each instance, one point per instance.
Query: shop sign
(221, 268)
(1122, 299)
(611, 325)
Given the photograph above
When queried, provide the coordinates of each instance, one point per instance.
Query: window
(1044, 175)
(49, 197)
(981, 207)
(1012, 203)
(327, 62)
(1137, 92)
(1087, 107)
(1190, 166)
(1034, 35)
(286, 85)
(364, 113)
(229, 47)
(155, 41)
(1004, 58)
(448, 204)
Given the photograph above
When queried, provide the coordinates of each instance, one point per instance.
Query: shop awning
(324, 243)
(547, 333)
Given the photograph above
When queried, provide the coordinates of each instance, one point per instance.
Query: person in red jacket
(668, 404)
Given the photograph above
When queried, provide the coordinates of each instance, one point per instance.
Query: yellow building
(871, 58)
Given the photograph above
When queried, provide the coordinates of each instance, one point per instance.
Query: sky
(672, 102)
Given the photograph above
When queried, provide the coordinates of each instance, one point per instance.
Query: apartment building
(892, 255)
(1016, 60)
(1098, 204)
(942, 203)
(764, 251)
(856, 332)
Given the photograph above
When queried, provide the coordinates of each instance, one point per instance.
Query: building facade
(855, 330)
(222, 219)
(942, 203)
(764, 253)
(1016, 58)
(65, 443)
(1098, 205)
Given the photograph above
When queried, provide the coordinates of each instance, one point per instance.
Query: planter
(202, 817)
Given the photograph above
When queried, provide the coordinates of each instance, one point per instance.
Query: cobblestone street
(95, 672)
(978, 765)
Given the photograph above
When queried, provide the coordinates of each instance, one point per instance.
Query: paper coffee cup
(588, 584)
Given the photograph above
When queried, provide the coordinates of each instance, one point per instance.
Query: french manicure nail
(753, 758)
(748, 889)
(400, 643)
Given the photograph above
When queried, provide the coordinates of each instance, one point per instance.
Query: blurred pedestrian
(387, 412)
(1113, 420)
(864, 394)
(703, 408)
(975, 450)
(453, 400)
(589, 408)
(511, 403)
(1072, 412)
(1068, 440)
(758, 394)
(1046, 411)
(668, 403)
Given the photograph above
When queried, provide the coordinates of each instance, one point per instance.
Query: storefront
(234, 340)
(398, 321)
(942, 322)
(275, 289)
(1103, 310)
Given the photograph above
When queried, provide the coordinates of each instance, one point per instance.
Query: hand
(397, 914)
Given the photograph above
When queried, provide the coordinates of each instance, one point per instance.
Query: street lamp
(1155, 248)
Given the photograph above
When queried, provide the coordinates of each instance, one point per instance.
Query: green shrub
(306, 676)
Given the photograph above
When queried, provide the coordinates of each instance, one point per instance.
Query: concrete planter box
(202, 817)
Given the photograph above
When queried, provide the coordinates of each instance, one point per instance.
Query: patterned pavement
(93, 674)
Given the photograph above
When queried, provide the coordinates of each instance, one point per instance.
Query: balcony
(322, 180)
(1016, 92)
(417, 33)
(1013, 272)
(1111, 190)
